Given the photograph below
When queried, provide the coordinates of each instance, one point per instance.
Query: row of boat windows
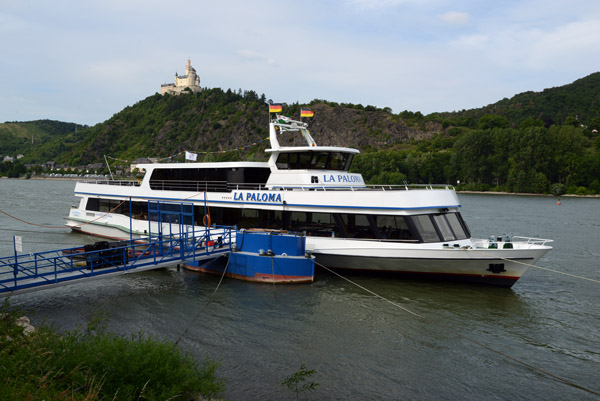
(314, 161)
(434, 227)
(206, 179)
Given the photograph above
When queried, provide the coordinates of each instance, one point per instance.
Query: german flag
(275, 108)
(306, 112)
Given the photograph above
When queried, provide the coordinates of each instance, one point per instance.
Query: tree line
(531, 159)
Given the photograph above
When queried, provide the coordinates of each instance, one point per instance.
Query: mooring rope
(204, 307)
(369, 291)
(561, 379)
(62, 227)
(545, 268)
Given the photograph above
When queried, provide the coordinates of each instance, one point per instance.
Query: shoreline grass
(93, 364)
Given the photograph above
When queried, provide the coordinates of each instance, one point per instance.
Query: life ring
(206, 220)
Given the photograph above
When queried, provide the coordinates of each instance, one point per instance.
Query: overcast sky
(83, 61)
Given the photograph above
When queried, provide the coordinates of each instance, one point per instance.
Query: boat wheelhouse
(309, 189)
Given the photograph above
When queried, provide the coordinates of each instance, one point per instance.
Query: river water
(362, 347)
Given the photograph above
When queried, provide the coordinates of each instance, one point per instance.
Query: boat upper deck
(224, 186)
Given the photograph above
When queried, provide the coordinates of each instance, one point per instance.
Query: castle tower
(190, 80)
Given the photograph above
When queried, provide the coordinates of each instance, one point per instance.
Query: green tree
(490, 121)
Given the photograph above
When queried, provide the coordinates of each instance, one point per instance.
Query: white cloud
(405, 54)
(455, 18)
(565, 44)
(252, 55)
(380, 4)
(475, 41)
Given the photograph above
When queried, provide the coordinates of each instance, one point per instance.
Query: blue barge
(263, 256)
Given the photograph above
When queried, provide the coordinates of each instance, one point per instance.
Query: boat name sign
(346, 178)
(257, 197)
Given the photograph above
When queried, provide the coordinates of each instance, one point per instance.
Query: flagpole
(108, 165)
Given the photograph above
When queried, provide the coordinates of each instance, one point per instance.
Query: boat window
(457, 227)
(283, 162)
(322, 218)
(249, 218)
(425, 228)
(139, 210)
(319, 161)
(302, 161)
(271, 219)
(256, 175)
(340, 161)
(110, 205)
(220, 216)
(358, 226)
(189, 179)
(299, 221)
(344, 225)
(394, 227)
(314, 161)
(93, 204)
(444, 227)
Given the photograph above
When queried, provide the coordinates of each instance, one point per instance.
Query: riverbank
(526, 194)
(91, 364)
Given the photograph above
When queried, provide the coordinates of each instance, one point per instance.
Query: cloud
(563, 44)
(252, 55)
(455, 18)
(474, 41)
(379, 4)
(426, 55)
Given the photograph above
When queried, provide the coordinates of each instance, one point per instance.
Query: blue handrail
(24, 271)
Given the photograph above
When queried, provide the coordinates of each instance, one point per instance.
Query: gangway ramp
(41, 270)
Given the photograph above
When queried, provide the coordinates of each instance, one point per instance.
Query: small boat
(412, 230)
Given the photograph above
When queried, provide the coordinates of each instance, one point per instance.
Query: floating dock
(263, 256)
(41, 270)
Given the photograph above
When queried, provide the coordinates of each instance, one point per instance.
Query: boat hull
(442, 269)
(265, 257)
(113, 229)
(502, 267)
(461, 261)
(259, 269)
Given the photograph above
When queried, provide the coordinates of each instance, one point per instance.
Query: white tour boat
(416, 230)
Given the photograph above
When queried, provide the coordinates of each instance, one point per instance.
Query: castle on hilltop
(189, 80)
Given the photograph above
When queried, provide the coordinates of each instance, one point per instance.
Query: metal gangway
(175, 242)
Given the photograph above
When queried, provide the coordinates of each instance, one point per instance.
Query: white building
(189, 80)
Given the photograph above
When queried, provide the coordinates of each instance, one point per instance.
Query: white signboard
(18, 244)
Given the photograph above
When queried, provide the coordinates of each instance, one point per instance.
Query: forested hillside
(534, 142)
(544, 142)
(533, 159)
(578, 101)
(21, 137)
(215, 120)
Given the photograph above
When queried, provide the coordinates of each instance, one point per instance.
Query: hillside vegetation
(534, 142)
(579, 101)
(215, 120)
(21, 137)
